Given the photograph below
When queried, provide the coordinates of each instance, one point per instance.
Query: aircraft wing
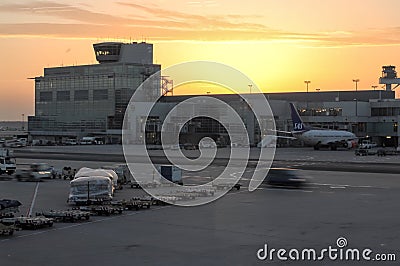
(281, 131)
(284, 137)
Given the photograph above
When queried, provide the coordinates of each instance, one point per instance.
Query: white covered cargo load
(84, 172)
(90, 189)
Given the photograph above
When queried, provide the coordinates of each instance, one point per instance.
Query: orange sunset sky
(278, 44)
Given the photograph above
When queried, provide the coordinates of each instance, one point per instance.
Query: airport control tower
(389, 77)
(90, 100)
(110, 52)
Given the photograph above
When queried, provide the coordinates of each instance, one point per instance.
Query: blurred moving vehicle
(14, 142)
(35, 172)
(7, 161)
(284, 177)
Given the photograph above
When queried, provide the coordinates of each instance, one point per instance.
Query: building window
(385, 111)
(81, 95)
(46, 96)
(63, 95)
(100, 95)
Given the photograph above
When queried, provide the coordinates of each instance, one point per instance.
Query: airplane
(320, 137)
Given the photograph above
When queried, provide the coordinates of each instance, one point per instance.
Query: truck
(7, 161)
(171, 173)
(367, 144)
(91, 140)
(123, 173)
(87, 141)
(71, 142)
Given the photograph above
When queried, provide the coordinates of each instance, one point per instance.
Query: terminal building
(90, 101)
(371, 114)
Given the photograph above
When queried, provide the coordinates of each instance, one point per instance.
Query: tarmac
(359, 206)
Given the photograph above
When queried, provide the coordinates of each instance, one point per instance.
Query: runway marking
(285, 189)
(344, 185)
(33, 200)
(84, 223)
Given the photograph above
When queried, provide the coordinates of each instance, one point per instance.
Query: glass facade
(385, 111)
(90, 98)
(321, 112)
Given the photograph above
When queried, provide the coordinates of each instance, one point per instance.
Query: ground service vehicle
(71, 142)
(366, 144)
(123, 173)
(171, 173)
(7, 161)
(36, 172)
(87, 141)
(8, 208)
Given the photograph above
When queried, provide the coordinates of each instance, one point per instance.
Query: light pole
(23, 122)
(355, 100)
(374, 87)
(250, 86)
(307, 82)
(356, 81)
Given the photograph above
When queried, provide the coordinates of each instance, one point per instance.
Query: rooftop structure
(108, 52)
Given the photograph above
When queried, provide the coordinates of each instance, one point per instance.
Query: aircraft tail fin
(298, 124)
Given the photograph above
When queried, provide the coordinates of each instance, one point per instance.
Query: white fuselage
(324, 137)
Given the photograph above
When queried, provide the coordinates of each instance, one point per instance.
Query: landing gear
(316, 147)
(333, 147)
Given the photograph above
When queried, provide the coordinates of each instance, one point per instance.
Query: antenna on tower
(167, 86)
